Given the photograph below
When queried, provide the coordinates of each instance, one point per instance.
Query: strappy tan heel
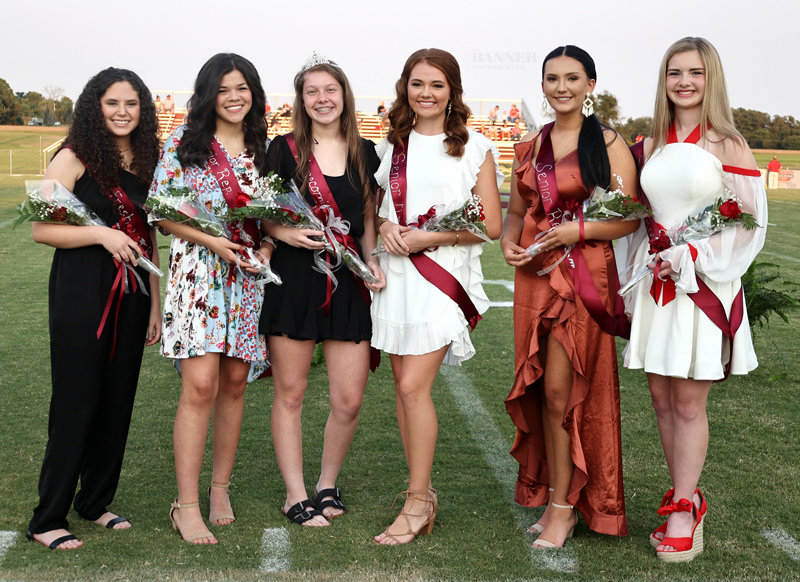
(429, 497)
(537, 527)
(213, 518)
(192, 538)
(541, 544)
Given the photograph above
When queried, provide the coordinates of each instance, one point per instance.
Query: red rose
(730, 209)
(659, 243)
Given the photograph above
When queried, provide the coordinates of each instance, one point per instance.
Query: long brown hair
(401, 115)
(716, 109)
(348, 126)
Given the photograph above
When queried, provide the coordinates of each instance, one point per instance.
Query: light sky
(500, 45)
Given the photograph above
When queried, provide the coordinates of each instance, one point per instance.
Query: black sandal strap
(112, 522)
(58, 541)
(336, 502)
(302, 511)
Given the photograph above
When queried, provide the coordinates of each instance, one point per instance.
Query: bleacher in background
(371, 127)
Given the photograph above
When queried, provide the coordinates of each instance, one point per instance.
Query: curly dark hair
(201, 122)
(94, 144)
(402, 116)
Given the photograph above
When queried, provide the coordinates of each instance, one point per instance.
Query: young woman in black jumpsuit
(112, 142)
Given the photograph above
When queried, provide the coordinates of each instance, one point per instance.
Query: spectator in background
(493, 114)
(516, 132)
(169, 105)
(381, 109)
(286, 110)
(158, 104)
(513, 113)
(773, 172)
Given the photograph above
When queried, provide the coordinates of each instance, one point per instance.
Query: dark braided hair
(93, 143)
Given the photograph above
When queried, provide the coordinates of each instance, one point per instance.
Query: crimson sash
(704, 298)
(131, 223)
(232, 191)
(322, 195)
(432, 271)
(615, 323)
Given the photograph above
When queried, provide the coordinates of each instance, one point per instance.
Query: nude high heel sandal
(541, 544)
(213, 518)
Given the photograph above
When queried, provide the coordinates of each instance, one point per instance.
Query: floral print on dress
(203, 311)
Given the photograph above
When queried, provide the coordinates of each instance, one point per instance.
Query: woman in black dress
(107, 162)
(306, 309)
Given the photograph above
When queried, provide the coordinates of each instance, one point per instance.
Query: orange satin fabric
(546, 305)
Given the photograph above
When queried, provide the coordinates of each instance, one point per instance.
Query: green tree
(633, 128)
(64, 110)
(9, 105)
(606, 108)
(33, 104)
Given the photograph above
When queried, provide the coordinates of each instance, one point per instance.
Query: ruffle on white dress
(410, 316)
(678, 339)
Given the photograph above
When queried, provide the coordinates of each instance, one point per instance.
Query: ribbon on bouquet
(557, 210)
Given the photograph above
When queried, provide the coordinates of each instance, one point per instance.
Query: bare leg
(199, 386)
(348, 368)
(557, 387)
(414, 377)
(689, 447)
(228, 412)
(291, 362)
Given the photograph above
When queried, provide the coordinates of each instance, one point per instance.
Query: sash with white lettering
(432, 271)
(323, 197)
(234, 197)
(705, 299)
(131, 223)
(555, 209)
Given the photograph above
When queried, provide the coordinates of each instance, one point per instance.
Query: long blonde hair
(715, 111)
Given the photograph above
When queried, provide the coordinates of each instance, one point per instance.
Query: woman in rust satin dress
(565, 398)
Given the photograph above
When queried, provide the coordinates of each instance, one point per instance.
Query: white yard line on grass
(779, 256)
(508, 285)
(781, 539)
(275, 550)
(495, 451)
(6, 223)
(7, 539)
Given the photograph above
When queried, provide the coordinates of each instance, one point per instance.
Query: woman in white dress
(421, 320)
(694, 157)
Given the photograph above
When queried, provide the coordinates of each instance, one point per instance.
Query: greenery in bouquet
(606, 205)
(50, 201)
(178, 204)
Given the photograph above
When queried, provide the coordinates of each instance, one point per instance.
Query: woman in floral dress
(212, 300)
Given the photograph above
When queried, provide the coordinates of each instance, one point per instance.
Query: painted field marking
(781, 539)
(780, 256)
(508, 285)
(7, 539)
(495, 451)
(275, 550)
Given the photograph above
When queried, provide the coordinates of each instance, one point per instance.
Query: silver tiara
(317, 59)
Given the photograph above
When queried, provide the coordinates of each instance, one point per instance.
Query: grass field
(751, 476)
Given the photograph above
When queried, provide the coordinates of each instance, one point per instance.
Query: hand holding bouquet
(603, 205)
(725, 212)
(455, 216)
(50, 201)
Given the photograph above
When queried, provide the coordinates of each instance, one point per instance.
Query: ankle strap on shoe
(677, 506)
(221, 485)
(559, 506)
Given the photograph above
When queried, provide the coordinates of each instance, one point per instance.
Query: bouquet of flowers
(271, 201)
(455, 216)
(178, 204)
(604, 205)
(50, 201)
(725, 212)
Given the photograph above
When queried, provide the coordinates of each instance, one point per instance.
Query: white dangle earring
(588, 106)
(546, 111)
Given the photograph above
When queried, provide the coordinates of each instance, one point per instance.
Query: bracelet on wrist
(455, 244)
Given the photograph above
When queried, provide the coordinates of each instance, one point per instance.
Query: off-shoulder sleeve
(725, 256)
(475, 155)
(169, 170)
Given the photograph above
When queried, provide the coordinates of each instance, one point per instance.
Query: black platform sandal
(336, 502)
(301, 511)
